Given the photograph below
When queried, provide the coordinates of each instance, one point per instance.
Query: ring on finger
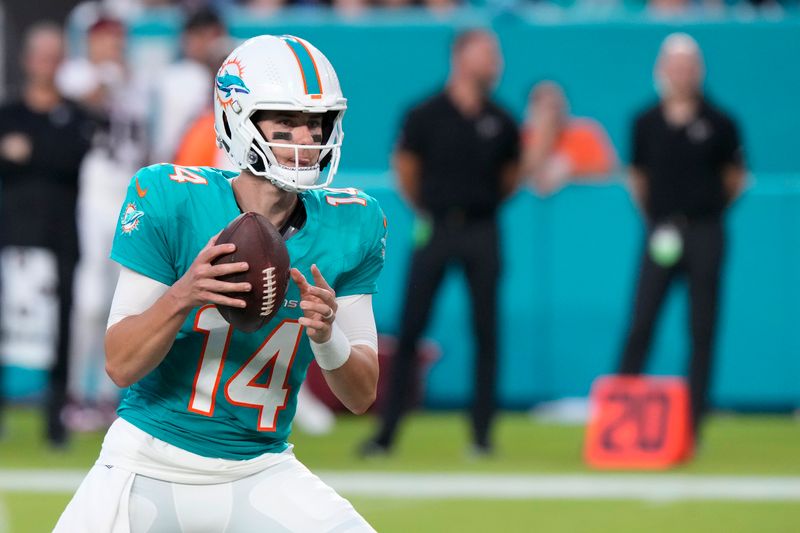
(328, 315)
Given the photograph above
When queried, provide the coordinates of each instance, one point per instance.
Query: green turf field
(734, 445)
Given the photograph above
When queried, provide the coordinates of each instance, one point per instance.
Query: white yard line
(649, 487)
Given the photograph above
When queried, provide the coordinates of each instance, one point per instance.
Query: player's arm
(343, 338)
(146, 315)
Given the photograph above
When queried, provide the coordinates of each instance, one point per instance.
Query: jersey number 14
(274, 358)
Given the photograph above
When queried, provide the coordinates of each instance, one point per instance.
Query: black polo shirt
(461, 157)
(683, 165)
(38, 196)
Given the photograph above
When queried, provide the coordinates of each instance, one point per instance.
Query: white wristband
(333, 353)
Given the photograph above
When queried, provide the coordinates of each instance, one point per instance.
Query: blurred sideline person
(197, 143)
(177, 97)
(201, 442)
(43, 139)
(686, 170)
(558, 147)
(103, 83)
(456, 161)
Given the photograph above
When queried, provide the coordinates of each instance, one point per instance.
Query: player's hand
(318, 302)
(199, 286)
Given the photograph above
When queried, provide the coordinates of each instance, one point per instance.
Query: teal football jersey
(220, 392)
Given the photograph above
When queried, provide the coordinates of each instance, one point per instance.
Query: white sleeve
(134, 295)
(136, 292)
(354, 317)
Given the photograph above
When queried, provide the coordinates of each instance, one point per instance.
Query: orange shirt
(198, 147)
(585, 144)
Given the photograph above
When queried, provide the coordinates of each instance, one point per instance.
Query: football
(260, 245)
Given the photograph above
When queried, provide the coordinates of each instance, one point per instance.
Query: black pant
(474, 246)
(703, 247)
(57, 394)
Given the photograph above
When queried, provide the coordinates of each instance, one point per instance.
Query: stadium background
(574, 254)
(569, 258)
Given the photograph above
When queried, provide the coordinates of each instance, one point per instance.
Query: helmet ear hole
(255, 160)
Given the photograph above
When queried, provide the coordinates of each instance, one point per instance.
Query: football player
(201, 442)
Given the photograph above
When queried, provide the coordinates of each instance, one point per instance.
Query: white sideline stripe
(658, 487)
(571, 487)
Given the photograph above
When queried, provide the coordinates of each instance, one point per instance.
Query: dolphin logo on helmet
(230, 83)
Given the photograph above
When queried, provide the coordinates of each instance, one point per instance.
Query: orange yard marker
(638, 423)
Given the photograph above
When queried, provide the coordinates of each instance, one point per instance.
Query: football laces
(270, 288)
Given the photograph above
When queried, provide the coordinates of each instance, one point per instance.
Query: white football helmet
(283, 73)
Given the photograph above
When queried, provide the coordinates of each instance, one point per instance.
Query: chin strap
(287, 178)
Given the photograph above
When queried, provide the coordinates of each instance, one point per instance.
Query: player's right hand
(199, 285)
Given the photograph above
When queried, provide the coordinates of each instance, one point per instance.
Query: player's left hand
(318, 302)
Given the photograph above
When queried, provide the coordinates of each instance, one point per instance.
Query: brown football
(260, 245)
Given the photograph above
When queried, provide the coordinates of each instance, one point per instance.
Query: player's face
(292, 127)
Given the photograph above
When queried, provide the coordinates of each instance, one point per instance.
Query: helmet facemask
(261, 159)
